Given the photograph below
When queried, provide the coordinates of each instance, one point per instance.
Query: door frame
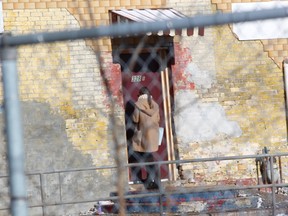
(165, 84)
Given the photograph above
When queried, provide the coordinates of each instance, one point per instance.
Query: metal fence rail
(122, 30)
(192, 189)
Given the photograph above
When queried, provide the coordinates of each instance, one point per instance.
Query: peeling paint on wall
(202, 78)
(197, 121)
(182, 59)
(113, 74)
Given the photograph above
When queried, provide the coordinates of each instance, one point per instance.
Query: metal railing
(193, 189)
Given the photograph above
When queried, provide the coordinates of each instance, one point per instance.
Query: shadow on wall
(47, 148)
(46, 144)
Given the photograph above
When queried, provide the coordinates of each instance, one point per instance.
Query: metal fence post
(13, 132)
(271, 161)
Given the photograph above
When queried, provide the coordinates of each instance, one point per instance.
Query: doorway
(151, 67)
(146, 71)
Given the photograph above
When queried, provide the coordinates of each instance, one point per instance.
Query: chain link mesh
(221, 101)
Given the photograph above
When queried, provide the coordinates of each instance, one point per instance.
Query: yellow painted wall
(247, 82)
(66, 76)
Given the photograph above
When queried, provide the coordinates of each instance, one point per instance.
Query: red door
(131, 83)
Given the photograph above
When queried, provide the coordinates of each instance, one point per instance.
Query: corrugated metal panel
(152, 15)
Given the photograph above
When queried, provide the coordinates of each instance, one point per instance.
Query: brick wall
(230, 94)
(66, 75)
(277, 49)
(234, 91)
(64, 103)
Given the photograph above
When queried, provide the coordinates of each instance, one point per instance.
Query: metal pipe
(13, 132)
(42, 193)
(271, 162)
(285, 66)
(257, 169)
(196, 160)
(280, 168)
(120, 30)
(161, 192)
(160, 186)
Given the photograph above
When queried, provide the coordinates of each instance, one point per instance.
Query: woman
(145, 140)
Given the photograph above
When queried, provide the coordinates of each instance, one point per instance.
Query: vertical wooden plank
(169, 130)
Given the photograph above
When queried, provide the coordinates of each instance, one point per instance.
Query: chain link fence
(68, 125)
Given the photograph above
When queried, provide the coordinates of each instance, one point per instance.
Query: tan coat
(148, 121)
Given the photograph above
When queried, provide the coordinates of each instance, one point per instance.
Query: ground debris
(97, 209)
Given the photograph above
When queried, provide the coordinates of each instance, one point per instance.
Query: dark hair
(145, 90)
